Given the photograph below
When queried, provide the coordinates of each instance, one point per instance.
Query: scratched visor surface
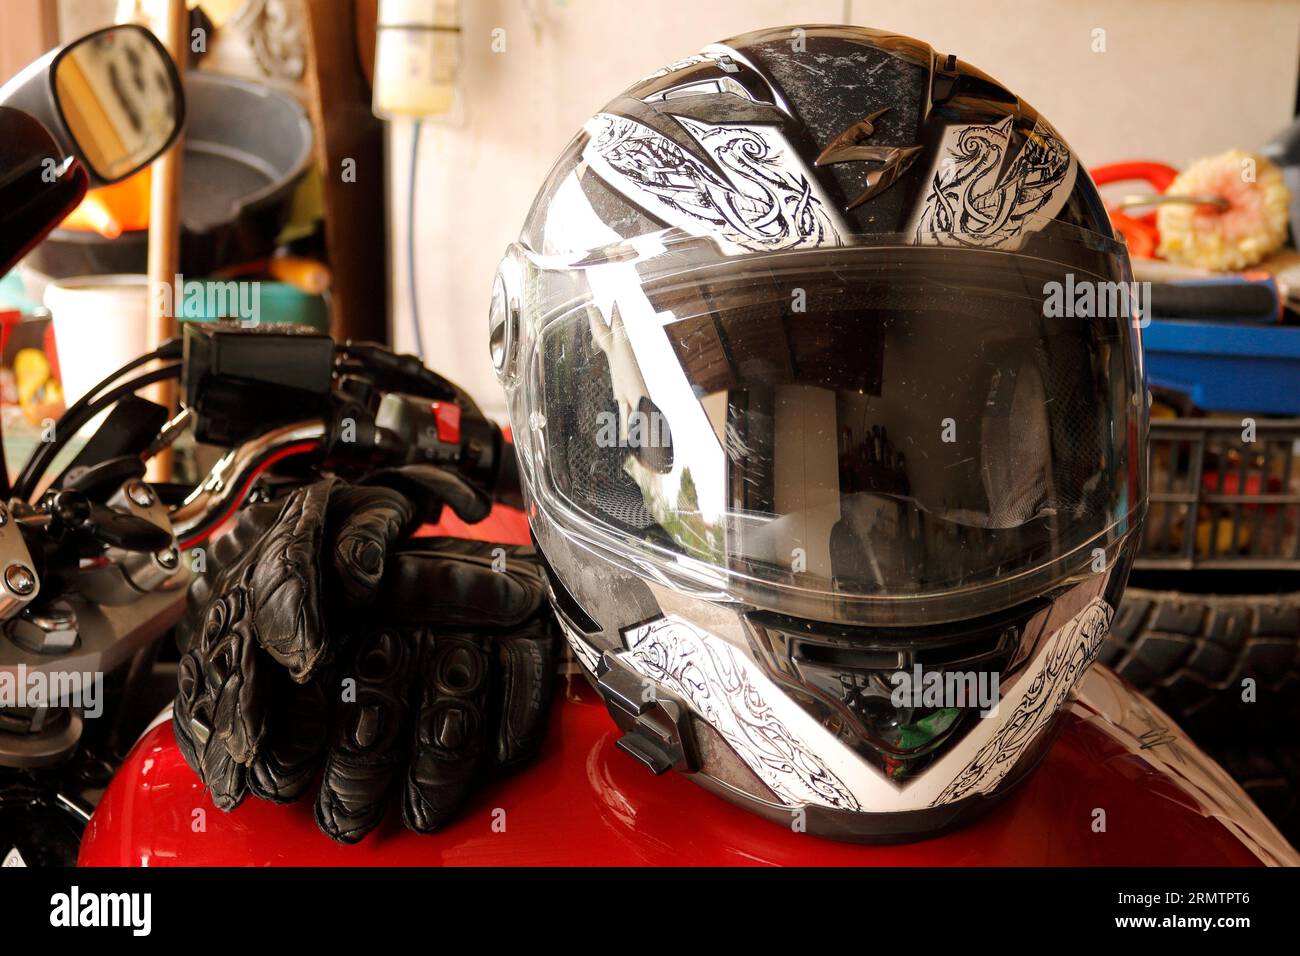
(883, 421)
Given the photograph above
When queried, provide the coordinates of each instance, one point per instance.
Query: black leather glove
(290, 661)
(452, 682)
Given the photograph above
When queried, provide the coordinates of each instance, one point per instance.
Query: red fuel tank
(584, 802)
(1121, 786)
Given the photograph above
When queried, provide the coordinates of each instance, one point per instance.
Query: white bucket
(99, 326)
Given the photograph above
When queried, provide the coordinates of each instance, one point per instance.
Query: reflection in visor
(857, 430)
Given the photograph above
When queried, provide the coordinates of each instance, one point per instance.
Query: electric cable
(27, 477)
(410, 240)
(76, 418)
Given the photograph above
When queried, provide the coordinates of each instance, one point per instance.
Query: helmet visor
(853, 424)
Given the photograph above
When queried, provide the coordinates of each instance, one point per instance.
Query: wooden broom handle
(165, 230)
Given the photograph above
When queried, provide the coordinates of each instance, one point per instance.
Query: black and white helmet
(825, 379)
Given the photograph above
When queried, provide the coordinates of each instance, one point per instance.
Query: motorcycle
(95, 563)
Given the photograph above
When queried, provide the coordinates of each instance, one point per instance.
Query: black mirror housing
(37, 187)
(113, 99)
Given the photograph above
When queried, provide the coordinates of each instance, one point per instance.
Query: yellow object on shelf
(39, 394)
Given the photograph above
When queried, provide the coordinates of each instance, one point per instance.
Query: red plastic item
(446, 415)
(1142, 237)
(1159, 175)
(1139, 232)
(1232, 486)
(115, 209)
(8, 319)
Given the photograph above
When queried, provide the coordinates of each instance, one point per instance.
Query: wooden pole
(165, 231)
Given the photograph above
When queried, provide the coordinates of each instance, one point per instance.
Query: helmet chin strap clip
(654, 724)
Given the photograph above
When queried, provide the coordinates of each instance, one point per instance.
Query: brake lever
(99, 481)
(72, 513)
(117, 529)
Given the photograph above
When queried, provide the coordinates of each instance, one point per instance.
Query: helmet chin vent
(846, 677)
(977, 644)
(980, 650)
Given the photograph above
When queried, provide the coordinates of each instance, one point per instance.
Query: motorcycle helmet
(824, 372)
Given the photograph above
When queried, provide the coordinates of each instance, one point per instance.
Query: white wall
(1179, 79)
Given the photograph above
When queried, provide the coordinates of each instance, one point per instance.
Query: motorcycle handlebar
(486, 457)
(226, 486)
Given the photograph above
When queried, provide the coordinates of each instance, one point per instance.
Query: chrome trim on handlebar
(171, 431)
(217, 492)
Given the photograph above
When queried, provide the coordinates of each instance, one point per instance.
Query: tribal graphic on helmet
(761, 199)
(978, 199)
(712, 145)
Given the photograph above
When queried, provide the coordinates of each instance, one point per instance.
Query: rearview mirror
(117, 95)
(112, 98)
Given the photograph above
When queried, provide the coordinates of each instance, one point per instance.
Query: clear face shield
(844, 433)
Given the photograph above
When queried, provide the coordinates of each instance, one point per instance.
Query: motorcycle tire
(1195, 656)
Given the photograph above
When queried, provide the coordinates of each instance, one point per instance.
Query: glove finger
(285, 584)
(230, 547)
(192, 725)
(297, 729)
(222, 553)
(229, 553)
(226, 779)
(373, 520)
(369, 742)
(218, 718)
(448, 751)
(451, 583)
(191, 721)
(527, 678)
(229, 654)
(429, 488)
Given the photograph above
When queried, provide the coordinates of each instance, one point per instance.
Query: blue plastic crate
(1227, 367)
